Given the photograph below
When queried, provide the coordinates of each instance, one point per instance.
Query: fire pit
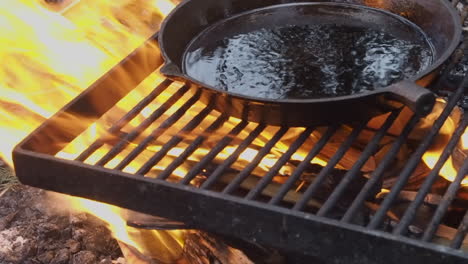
(361, 193)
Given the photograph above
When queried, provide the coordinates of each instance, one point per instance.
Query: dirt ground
(34, 229)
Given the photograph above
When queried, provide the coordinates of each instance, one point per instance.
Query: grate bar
(125, 119)
(176, 139)
(405, 221)
(233, 157)
(292, 230)
(303, 165)
(272, 172)
(330, 166)
(213, 153)
(415, 159)
(370, 149)
(158, 131)
(461, 233)
(252, 165)
(144, 125)
(380, 170)
(445, 203)
(187, 152)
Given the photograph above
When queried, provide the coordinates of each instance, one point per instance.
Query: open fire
(51, 56)
(52, 52)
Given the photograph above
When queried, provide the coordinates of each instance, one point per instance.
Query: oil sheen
(307, 61)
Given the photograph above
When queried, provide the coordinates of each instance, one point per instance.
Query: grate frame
(337, 241)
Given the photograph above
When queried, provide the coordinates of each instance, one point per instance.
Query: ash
(35, 230)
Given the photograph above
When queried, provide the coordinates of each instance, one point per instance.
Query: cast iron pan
(197, 22)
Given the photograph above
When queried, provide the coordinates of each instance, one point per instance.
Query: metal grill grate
(220, 191)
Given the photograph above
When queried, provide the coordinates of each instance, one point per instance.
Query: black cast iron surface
(259, 212)
(218, 19)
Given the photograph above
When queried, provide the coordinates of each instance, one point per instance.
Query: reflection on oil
(307, 61)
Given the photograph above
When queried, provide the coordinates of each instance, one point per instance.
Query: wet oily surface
(307, 61)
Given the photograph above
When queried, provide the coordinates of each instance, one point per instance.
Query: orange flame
(165, 246)
(448, 170)
(52, 52)
(49, 57)
(464, 139)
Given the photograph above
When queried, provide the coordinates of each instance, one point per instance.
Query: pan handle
(170, 69)
(420, 100)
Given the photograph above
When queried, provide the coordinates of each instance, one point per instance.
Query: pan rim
(431, 68)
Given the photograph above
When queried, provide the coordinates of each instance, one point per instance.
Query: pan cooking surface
(306, 61)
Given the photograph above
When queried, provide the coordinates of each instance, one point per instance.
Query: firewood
(202, 248)
(133, 256)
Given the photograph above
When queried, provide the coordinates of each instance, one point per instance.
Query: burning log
(463, 193)
(445, 232)
(201, 248)
(59, 6)
(133, 256)
(295, 194)
(157, 245)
